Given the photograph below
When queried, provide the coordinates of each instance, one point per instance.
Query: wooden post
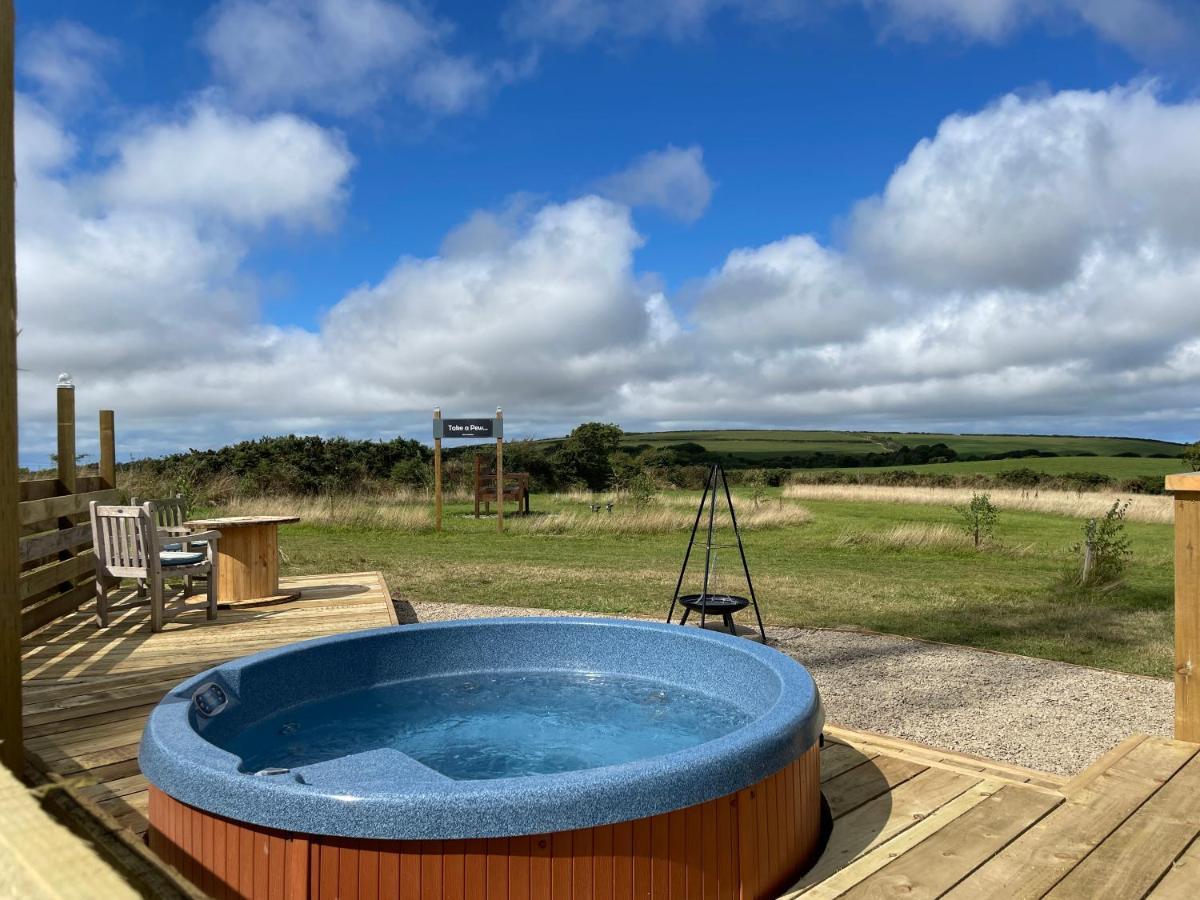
(1186, 489)
(499, 469)
(437, 469)
(108, 448)
(12, 749)
(66, 433)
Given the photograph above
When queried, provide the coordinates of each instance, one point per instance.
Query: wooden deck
(88, 691)
(914, 822)
(909, 821)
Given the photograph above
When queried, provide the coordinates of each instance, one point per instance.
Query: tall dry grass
(907, 536)
(654, 518)
(1142, 508)
(397, 512)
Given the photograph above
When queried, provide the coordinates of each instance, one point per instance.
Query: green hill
(739, 448)
(1119, 468)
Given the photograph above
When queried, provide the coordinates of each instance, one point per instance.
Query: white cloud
(1141, 26)
(943, 310)
(63, 61)
(249, 171)
(1017, 194)
(343, 56)
(673, 180)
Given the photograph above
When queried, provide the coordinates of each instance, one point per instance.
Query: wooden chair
(129, 544)
(169, 514)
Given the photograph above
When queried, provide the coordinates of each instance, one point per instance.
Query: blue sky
(749, 176)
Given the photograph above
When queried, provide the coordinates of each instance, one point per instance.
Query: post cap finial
(64, 380)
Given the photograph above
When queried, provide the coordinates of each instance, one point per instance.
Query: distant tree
(585, 454)
(979, 518)
(1191, 456)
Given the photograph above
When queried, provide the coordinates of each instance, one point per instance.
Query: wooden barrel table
(248, 558)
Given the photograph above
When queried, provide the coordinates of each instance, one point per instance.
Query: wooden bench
(516, 487)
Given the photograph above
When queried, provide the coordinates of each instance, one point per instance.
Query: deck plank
(1031, 865)
(943, 859)
(859, 832)
(1130, 861)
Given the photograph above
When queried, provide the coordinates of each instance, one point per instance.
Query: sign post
(467, 428)
(437, 469)
(499, 469)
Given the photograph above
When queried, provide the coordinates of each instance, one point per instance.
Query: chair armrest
(209, 536)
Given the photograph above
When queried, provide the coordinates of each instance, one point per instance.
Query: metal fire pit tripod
(724, 605)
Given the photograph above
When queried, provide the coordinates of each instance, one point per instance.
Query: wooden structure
(130, 545)
(248, 558)
(10, 565)
(30, 838)
(747, 844)
(470, 428)
(1186, 489)
(516, 488)
(57, 562)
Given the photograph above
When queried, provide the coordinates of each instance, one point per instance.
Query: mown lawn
(820, 573)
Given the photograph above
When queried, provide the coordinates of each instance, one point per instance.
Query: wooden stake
(437, 469)
(12, 750)
(66, 436)
(1186, 489)
(499, 469)
(108, 448)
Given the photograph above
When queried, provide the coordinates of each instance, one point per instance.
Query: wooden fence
(57, 562)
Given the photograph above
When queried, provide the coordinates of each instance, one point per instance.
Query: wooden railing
(56, 558)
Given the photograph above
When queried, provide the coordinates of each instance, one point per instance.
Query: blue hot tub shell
(383, 793)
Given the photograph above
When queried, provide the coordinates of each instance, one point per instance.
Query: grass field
(1118, 467)
(766, 446)
(890, 566)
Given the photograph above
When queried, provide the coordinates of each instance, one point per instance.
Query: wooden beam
(12, 751)
(108, 448)
(39, 546)
(66, 436)
(62, 507)
(1186, 489)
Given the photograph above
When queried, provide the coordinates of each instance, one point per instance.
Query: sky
(254, 217)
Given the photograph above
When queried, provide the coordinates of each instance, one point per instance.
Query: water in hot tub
(495, 724)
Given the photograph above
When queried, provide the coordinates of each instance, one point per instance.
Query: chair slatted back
(125, 541)
(169, 513)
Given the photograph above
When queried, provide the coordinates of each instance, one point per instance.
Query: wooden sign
(466, 428)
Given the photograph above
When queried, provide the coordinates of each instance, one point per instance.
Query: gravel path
(1044, 715)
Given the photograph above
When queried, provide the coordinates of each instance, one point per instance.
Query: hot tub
(519, 758)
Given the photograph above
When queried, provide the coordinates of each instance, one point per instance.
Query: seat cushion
(179, 558)
(172, 547)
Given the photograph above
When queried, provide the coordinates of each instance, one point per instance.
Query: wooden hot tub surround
(750, 844)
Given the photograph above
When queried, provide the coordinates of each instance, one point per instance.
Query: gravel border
(1045, 715)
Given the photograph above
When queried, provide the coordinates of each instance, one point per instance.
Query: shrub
(412, 473)
(979, 518)
(756, 481)
(642, 489)
(1191, 456)
(1104, 550)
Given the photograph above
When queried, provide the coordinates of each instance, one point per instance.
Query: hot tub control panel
(210, 699)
